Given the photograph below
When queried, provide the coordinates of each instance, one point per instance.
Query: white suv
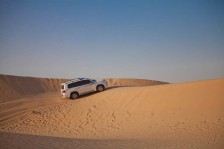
(74, 88)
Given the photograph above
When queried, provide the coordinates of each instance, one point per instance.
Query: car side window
(79, 83)
(75, 84)
(71, 85)
(85, 82)
(88, 81)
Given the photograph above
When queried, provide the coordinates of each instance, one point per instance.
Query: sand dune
(21, 94)
(15, 87)
(185, 115)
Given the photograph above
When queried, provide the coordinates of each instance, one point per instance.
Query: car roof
(75, 80)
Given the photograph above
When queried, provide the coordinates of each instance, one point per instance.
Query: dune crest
(132, 82)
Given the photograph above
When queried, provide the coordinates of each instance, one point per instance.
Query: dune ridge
(132, 82)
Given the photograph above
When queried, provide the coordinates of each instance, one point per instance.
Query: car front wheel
(100, 88)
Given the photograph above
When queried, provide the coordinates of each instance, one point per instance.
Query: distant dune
(185, 115)
(133, 82)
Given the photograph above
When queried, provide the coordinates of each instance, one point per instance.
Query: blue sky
(175, 40)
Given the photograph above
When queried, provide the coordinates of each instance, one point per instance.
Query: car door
(86, 86)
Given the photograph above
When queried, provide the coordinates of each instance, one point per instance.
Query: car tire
(100, 88)
(74, 95)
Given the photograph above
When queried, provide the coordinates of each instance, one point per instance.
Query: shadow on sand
(14, 140)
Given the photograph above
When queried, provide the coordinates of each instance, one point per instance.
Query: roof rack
(75, 80)
(82, 78)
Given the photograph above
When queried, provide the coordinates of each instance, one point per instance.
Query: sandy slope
(14, 87)
(19, 95)
(15, 109)
(187, 115)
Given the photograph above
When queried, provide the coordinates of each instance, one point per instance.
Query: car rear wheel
(74, 95)
(100, 88)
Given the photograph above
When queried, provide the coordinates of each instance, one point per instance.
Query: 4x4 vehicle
(79, 86)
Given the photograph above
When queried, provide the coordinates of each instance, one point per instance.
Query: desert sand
(133, 114)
